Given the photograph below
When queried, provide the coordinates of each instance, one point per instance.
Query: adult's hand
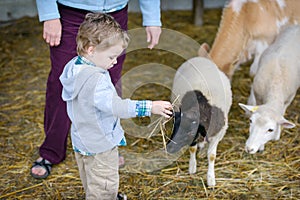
(52, 32)
(153, 34)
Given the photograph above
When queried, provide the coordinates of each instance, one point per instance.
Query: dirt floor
(24, 64)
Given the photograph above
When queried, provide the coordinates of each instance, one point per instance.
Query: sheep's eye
(270, 130)
(250, 121)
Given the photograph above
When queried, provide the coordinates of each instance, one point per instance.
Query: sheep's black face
(186, 124)
(196, 119)
(185, 131)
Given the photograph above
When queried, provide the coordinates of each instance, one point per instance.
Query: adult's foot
(41, 168)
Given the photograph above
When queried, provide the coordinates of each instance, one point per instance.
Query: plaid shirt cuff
(143, 108)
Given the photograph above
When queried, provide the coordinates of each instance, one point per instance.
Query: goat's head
(265, 125)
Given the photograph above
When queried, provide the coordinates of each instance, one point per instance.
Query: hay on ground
(24, 64)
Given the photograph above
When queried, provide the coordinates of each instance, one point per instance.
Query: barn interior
(25, 64)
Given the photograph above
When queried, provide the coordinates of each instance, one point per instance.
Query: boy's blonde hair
(101, 31)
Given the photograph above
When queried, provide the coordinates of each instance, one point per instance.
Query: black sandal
(121, 196)
(44, 164)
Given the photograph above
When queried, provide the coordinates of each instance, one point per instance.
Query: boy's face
(107, 58)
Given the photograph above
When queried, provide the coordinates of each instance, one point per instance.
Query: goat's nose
(249, 149)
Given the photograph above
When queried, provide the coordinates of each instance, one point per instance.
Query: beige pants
(99, 174)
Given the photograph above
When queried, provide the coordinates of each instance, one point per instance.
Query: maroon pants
(56, 121)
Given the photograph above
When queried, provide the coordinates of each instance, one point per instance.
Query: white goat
(273, 89)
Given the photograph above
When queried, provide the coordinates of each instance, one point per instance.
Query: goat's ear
(203, 51)
(286, 124)
(248, 108)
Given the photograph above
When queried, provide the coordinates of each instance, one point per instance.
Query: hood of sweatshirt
(74, 77)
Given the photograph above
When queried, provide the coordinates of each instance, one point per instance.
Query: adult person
(61, 20)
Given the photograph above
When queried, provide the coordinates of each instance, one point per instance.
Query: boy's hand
(163, 108)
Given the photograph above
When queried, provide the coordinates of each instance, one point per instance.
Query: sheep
(247, 28)
(273, 89)
(205, 95)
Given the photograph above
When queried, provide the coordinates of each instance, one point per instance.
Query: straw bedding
(24, 64)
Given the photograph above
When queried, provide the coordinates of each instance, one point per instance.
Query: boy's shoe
(121, 197)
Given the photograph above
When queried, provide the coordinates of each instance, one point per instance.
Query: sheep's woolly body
(202, 74)
(279, 68)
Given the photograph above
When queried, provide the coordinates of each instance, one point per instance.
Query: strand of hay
(161, 122)
(47, 183)
(27, 188)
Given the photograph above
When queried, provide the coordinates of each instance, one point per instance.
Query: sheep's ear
(286, 124)
(248, 108)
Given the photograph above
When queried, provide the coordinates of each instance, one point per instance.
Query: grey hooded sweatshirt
(94, 107)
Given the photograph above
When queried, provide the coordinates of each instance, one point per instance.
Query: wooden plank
(198, 12)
